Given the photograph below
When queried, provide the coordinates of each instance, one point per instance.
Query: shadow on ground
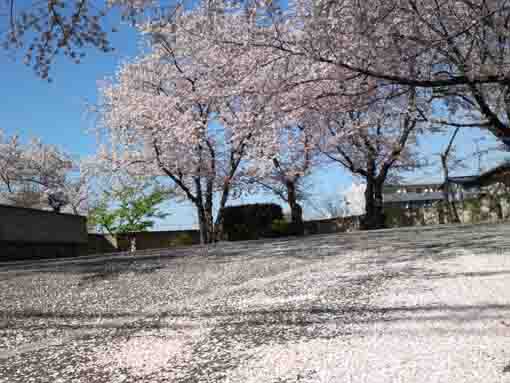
(386, 251)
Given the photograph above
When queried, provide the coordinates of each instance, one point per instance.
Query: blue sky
(56, 112)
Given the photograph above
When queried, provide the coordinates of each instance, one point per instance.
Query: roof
(465, 180)
(461, 179)
(418, 185)
(505, 166)
(481, 179)
(412, 197)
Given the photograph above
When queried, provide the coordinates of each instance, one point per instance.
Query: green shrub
(393, 216)
(182, 239)
(281, 227)
(247, 222)
(474, 206)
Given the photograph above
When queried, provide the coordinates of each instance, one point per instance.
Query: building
(412, 196)
(476, 198)
(463, 188)
(499, 174)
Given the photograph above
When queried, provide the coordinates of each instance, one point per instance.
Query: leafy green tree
(128, 210)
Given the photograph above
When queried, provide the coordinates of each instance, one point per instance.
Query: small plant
(128, 210)
(182, 239)
(474, 207)
(246, 222)
(281, 228)
(394, 216)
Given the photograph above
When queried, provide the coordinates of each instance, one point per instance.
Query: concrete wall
(30, 233)
(18, 251)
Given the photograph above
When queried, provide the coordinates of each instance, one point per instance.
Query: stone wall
(101, 243)
(30, 233)
(332, 225)
(160, 239)
(492, 206)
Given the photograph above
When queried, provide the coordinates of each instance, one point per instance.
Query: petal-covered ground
(411, 305)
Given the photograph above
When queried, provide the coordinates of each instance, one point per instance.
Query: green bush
(182, 239)
(247, 222)
(394, 216)
(474, 206)
(281, 227)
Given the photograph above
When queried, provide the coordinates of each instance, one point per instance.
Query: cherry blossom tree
(281, 167)
(297, 88)
(163, 117)
(459, 50)
(453, 51)
(26, 195)
(45, 29)
(76, 190)
(44, 172)
(11, 162)
(374, 144)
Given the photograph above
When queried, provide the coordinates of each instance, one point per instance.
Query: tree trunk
(374, 217)
(205, 224)
(451, 210)
(298, 227)
(378, 205)
(132, 242)
(218, 225)
(455, 212)
(209, 225)
(499, 210)
(209, 219)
